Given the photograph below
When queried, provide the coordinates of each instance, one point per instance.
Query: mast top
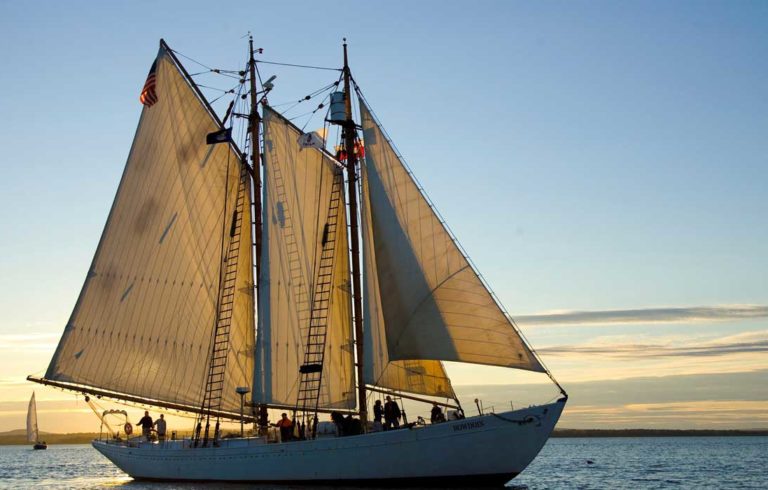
(346, 64)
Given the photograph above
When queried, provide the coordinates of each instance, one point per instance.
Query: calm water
(636, 463)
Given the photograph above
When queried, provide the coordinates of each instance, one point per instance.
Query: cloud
(704, 401)
(743, 343)
(646, 315)
(19, 381)
(29, 341)
(750, 407)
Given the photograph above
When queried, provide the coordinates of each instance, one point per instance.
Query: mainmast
(254, 121)
(349, 134)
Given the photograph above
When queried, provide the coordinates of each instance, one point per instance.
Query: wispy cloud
(750, 407)
(646, 315)
(709, 401)
(743, 343)
(19, 381)
(29, 341)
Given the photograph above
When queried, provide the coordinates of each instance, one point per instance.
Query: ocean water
(579, 463)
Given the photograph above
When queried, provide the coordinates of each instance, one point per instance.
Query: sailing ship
(359, 289)
(33, 435)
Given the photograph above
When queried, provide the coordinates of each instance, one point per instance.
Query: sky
(604, 164)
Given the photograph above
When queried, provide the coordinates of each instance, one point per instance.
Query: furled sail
(144, 321)
(32, 433)
(298, 182)
(432, 304)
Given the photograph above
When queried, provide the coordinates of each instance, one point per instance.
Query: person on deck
(378, 415)
(286, 428)
(392, 414)
(437, 414)
(146, 425)
(160, 427)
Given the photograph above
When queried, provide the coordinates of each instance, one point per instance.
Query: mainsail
(298, 182)
(32, 433)
(143, 323)
(426, 301)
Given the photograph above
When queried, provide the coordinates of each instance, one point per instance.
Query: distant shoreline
(562, 433)
(17, 438)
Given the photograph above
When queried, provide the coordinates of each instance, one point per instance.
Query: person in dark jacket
(437, 414)
(392, 414)
(378, 415)
(146, 425)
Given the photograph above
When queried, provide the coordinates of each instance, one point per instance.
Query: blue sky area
(589, 156)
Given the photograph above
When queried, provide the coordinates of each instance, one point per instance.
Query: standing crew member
(391, 414)
(160, 424)
(286, 427)
(378, 414)
(146, 425)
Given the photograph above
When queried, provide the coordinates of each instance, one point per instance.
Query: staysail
(426, 377)
(426, 300)
(298, 181)
(143, 323)
(32, 433)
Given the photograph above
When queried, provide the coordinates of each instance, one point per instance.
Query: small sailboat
(314, 280)
(33, 434)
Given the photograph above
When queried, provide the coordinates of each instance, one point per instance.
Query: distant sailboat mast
(32, 432)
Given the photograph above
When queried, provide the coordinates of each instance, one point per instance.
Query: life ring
(128, 428)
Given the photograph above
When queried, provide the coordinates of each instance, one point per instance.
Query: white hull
(488, 449)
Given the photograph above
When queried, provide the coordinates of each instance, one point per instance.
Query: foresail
(297, 190)
(32, 433)
(144, 320)
(432, 303)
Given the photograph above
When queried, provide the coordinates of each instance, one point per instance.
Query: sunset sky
(604, 164)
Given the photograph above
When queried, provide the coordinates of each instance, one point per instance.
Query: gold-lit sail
(143, 323)
(297, 190)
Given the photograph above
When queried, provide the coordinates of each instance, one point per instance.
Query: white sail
(297, 190)
(144, 321)
(425, 377)
(32, 432)
(432, 303)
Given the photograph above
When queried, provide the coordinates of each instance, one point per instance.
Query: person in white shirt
(160, 427)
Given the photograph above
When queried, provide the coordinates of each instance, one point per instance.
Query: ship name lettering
(469, 425)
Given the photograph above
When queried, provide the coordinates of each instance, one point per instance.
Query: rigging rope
(298, 66)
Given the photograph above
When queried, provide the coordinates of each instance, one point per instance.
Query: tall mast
(349, 134)
(254, 121)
